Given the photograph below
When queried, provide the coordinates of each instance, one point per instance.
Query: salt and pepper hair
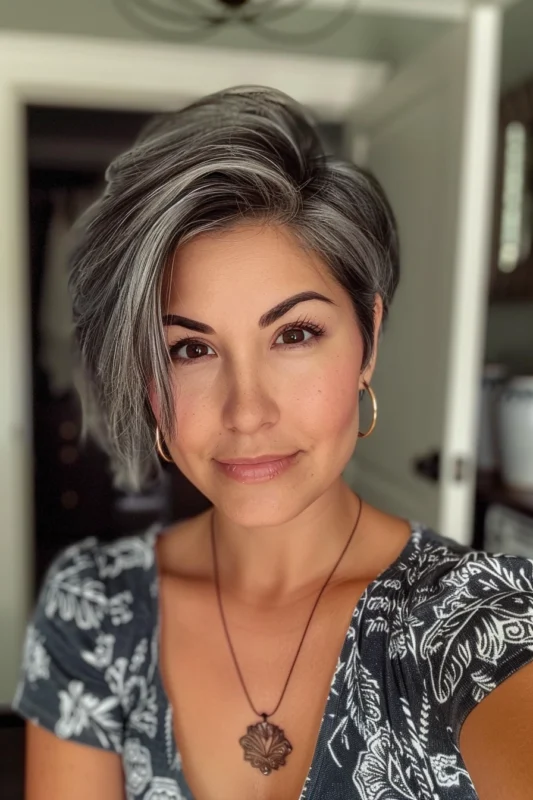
(244, 154)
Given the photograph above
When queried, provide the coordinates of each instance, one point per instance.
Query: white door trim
(474, 221)
(472, 273)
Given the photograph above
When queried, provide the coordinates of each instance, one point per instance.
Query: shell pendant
(265, 746)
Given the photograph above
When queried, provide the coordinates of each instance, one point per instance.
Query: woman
(292, 642)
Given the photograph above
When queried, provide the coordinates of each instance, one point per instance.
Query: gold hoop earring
(372, 396)
(159, 446)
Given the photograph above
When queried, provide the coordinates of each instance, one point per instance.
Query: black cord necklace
(265, 745)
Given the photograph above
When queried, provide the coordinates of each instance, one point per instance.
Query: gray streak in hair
(244, 154)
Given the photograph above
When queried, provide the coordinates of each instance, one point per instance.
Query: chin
(269, 510)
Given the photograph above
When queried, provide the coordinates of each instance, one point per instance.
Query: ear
(366, 375)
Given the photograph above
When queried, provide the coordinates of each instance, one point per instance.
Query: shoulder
(447, 578)
(470, 621)
(94, 619)
(92, 583)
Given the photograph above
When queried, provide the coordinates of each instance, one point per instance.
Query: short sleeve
(67, 683)
(470, 629)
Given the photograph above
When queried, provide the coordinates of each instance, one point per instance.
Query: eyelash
(302, 324)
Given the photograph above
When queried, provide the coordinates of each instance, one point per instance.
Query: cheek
(195, 415)
(328, 402)
(189, 413)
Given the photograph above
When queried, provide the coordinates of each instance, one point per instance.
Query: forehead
(249, 264)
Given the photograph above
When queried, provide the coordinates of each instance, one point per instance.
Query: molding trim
(444, 10)
(156, 76)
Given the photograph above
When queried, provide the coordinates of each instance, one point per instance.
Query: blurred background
(434, 96)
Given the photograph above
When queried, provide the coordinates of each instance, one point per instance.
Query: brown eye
(195, 350)
(189, 351)
(293, 336)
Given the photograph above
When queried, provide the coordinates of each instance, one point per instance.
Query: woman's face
(250, 384)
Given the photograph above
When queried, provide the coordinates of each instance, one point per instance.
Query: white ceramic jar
(516, 433)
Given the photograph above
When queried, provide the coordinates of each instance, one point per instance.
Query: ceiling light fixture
(188, 20)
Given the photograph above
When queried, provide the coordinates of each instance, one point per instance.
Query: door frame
(458, 454)
(472, 271)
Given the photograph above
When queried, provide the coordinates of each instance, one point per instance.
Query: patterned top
(429, 638)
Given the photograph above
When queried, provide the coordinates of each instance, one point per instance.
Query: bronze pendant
(265, 746)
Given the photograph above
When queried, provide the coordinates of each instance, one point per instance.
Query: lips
(267, 459)
(257, 470)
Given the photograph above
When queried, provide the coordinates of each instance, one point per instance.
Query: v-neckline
(333, 698)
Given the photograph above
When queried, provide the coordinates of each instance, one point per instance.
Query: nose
(249, 401)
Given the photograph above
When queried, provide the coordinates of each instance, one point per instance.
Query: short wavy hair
(243, 154)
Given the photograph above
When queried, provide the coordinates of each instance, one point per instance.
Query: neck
(265, 563)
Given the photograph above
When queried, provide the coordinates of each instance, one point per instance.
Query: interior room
(437, 99)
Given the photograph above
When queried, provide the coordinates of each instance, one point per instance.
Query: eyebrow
(268, 318)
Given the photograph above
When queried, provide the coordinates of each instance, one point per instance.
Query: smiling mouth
(259, 469)
(268, 459)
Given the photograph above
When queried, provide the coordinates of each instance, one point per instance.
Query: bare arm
(496, 740)
(56, 768)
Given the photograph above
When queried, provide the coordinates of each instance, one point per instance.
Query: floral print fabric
(429, 639)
